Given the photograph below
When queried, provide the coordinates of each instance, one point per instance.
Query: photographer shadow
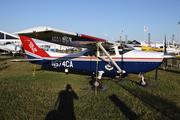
(65, 105)
(124, 109)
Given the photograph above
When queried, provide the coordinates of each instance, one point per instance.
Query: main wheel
(97, 83)
(145, 83)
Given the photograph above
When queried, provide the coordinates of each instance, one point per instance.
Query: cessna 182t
(111, 57)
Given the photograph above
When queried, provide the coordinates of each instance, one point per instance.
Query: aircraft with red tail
(111, 57)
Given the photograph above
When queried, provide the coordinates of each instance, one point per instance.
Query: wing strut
(114, 63)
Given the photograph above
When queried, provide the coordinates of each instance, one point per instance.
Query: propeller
(165, 60)
(165, 45)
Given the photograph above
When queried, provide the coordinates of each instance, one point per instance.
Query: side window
(10, 37)
(120, 49)
(110, 52)
(90, 53)
(93, 53)
(124, 48)
(1, 35)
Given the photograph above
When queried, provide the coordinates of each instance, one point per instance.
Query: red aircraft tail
(31, 49)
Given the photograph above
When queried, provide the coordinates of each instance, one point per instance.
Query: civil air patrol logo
(109, 66)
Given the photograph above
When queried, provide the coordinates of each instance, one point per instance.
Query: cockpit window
(1, 35)
(124, 48)
(93, 53)
(110, 52)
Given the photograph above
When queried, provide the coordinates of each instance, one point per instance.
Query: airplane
(101, 56)
(7, 37)
(10, 47)
(170, 49)
(9, 43)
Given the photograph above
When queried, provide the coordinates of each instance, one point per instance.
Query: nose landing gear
(143, 82)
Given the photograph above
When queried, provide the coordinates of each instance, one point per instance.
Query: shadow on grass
(173, 71)
(4, 68)
(3, 59)
(162, 105)
(124, 109)
(2, 64)
(65, 105)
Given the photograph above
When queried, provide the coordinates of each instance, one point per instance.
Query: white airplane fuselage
(134, 61)
(10, 47)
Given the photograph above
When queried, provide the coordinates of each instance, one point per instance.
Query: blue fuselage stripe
(128, 66)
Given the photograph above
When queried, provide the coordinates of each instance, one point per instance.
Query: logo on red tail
(31, 45)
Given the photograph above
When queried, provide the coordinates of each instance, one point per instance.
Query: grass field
(52, 94)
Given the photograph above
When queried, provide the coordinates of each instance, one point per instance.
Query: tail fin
(31, 49)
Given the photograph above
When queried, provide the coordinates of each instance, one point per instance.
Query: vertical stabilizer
(31, 49)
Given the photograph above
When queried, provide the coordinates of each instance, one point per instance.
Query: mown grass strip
(53, 94)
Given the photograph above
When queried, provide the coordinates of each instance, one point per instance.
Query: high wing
(62, 37)
(70, 39)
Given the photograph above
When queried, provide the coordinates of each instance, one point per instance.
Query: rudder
(31, 49)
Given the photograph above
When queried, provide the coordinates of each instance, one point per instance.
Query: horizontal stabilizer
(26, 60)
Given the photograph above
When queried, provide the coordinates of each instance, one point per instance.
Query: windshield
(123, 48)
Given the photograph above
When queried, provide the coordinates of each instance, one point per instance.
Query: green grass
(24, 96)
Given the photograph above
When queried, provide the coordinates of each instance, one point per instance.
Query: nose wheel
(144, 83)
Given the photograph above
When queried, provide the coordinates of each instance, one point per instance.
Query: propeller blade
(165, 44)
(165, 60)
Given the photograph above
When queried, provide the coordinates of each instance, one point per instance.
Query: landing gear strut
(143, 82)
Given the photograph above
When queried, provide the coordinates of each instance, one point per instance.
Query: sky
(96, 17)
